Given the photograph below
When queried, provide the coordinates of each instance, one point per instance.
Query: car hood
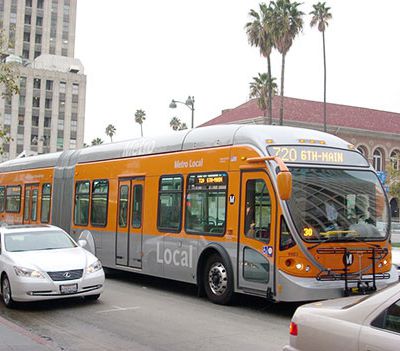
(53, 260)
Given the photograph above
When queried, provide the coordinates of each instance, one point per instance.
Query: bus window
(27, 201)
(258, 210)
(34, 204)
(123, 205)
(81, 214)
(2, 198)
(170, 203)
(46, 200)
(206, 203)
(137, 206)
(13, 199)
(99, 203)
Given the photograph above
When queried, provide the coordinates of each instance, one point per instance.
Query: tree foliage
(287, 23)
(260, 88)
(9, 81)
(176, 124)
(97, 141)
(140, 117)
(259, 34)
(320, 17)
(110, 131)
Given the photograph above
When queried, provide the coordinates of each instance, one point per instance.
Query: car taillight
(293, 329)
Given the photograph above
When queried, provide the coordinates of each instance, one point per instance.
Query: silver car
(356, 323)
(44, 262)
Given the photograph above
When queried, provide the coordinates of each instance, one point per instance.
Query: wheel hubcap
(218, 278)
(6, 291)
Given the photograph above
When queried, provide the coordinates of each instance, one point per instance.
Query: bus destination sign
(317, 155)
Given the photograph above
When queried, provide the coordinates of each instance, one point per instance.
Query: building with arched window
(376, 134)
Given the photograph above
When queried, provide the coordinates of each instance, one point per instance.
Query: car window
(25, 241)
(389, 319)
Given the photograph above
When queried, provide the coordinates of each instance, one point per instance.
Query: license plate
(68, 289)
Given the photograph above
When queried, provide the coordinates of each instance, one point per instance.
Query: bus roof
(197, 138)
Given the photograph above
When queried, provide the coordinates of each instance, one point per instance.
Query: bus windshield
(338, 205)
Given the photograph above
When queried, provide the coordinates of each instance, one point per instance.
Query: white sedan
(44, 262)
(356, 323)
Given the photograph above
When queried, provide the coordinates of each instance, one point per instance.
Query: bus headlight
(299, 266)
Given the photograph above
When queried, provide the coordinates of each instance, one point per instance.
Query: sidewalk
(15, 338)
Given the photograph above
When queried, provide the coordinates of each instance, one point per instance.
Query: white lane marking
(117, 309)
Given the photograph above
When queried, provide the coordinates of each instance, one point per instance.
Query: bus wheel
(218, 280)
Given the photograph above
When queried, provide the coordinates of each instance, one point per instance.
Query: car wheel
(218, 280)
(6, 292)
(92, 297)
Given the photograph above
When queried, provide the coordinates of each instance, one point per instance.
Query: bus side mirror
(284, 180)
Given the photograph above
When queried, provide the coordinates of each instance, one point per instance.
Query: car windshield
(32, 241)
(338, 205)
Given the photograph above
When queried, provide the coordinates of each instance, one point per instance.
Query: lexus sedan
(43, 262)
(356, 323)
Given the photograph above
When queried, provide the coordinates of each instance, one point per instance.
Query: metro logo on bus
(188, 164)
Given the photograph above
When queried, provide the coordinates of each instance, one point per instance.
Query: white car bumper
(36, 289)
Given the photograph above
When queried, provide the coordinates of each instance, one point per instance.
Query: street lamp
(189, 103)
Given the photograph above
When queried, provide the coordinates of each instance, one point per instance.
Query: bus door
(257, 234)
(31, 199)
(129, 235)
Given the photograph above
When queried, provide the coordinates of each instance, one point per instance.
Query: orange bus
(285, 213)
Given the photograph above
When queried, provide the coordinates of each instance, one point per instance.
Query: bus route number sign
(317, 155)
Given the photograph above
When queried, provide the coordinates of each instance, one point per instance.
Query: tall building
(48, 114)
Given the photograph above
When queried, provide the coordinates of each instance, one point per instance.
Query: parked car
(369, 322)
(43, 262)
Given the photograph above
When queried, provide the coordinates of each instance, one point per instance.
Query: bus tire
(218, 280)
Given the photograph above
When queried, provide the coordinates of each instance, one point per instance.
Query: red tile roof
(306, 111)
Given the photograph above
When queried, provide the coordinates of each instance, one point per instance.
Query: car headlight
(94, 267)
(27, 273)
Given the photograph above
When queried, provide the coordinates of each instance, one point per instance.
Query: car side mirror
(284, 180)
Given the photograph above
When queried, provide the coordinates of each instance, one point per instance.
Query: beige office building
(48, 114)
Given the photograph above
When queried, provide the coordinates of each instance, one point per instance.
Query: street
(145, 313)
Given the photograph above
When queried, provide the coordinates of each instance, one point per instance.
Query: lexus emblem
(348, 259)
(67, 275)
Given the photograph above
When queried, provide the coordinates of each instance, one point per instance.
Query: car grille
(66, 275)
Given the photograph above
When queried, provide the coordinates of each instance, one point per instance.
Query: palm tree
(259, 35)
(97, 141)
(259, 88)
(110, 131)
(176, 124)
(286, 24)
(320, 16)
(140, 116)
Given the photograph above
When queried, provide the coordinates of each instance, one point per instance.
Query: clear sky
(140, 54)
